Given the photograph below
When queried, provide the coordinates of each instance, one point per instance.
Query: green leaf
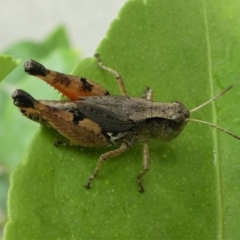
(7, 64)
(60, 56)
(187, 51)
(16, 131)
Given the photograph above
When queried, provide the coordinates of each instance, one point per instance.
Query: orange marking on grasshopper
(73, 87)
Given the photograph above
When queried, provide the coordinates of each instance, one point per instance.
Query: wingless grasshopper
(94, 118)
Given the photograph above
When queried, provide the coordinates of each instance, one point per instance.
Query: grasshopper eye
(181, 114)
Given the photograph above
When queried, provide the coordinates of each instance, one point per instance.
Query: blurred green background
(16, 131)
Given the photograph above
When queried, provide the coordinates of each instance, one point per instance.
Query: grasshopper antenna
(211, 100)
(208, 123)
(215, 126)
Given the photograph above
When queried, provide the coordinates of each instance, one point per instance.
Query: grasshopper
(94, 118)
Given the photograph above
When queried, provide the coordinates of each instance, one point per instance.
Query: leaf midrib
(214, 132)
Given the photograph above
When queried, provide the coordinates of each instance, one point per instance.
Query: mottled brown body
(108, 120)
(93, 118)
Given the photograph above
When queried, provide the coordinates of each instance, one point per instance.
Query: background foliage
(16, 131)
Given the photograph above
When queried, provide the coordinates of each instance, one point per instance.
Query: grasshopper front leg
(145, 166)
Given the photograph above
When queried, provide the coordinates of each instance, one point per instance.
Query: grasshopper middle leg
(148, 94)
(117, 75)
